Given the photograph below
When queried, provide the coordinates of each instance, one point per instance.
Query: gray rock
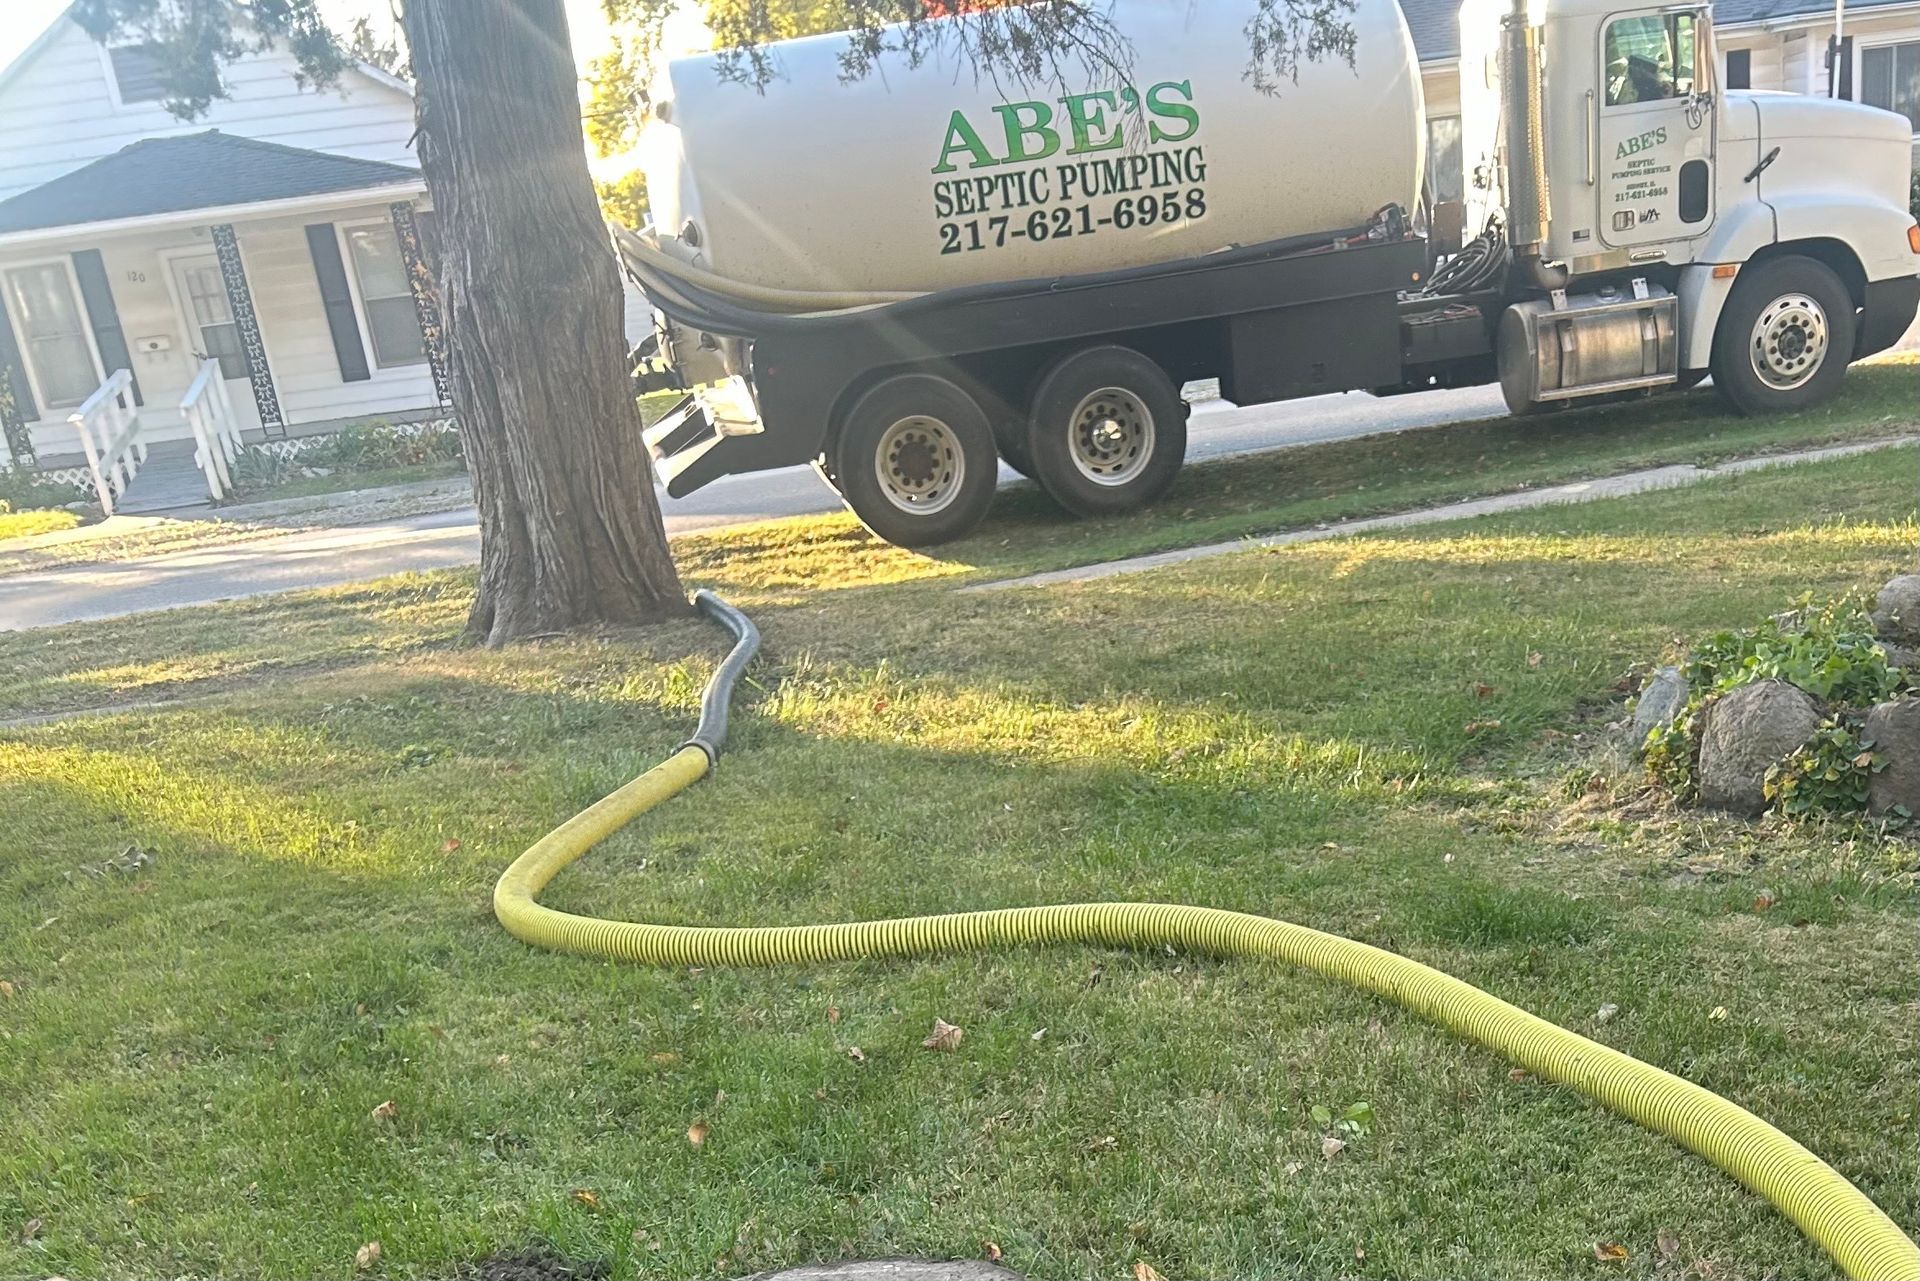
(894, 1270)
(1747, 732)
(1904, 657)
(1659, 703)
(1894, 730)
(1896, 614)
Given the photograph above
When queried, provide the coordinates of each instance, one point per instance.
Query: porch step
(168, 480)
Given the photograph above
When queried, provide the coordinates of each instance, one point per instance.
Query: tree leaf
(587, 1197)
(1144, 1271)
(857, 1054)
(1609, 1252)
(366, 1256)
(945, 1037)
(991, 1251)
(1666, 1244)
(697, 1133)
(1331, 1147)
(385, 1111)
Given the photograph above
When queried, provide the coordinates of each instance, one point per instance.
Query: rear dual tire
(1107, 431)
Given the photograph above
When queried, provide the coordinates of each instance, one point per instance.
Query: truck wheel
(1108, 431)
(1785, 337)
(915, 461)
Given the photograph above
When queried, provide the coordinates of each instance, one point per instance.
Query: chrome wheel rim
(1790, 342)
(1111, 437)
(920, 465)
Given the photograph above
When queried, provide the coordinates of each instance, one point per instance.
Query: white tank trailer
(907, 277)
(920, 178)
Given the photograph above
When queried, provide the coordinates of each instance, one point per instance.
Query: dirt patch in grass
(533, 1265)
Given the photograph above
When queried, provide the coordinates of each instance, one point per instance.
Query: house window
(386, 299)
(1890, 78)
(1739, 68)
(138, 75)
(53, 334)
(1443, 158)
(1650, 58)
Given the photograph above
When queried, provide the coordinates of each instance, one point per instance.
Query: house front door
(211, 331)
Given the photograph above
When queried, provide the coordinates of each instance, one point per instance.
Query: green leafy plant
(1830, 775)
(1356, 1120)
(24, 491)
(1830, 652)
(257, 468)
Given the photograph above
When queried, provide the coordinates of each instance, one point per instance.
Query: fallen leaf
(587, 1197)
(1480, 727)
(1105, 1143)
(1294, 1167)
(857, 1054)
(359, 1009)
(1764, 901)
(385, 1112)
(1041, 1035)
(1719, 1014)
(1518, 1075)
(1609, 1252)
(1331, 1148)
(437, 1033)
(501, 1060)
(1360, 1253)
(1144, 1271)
(945, 1037)
(991, 1251)
(1482, 690)
(1667, 1244)
(450, 847)
(643, 1241)
(366, 1256)
(6, 989)
(1606, 1012)
(31, 1229)
(1535, 659)
(697, 1133)
(833, 1014)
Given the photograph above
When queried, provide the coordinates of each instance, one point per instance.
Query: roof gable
(195, 171)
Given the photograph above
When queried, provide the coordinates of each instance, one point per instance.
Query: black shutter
(338, 301)
(103, 316)
(14, 370)
(1842, 52)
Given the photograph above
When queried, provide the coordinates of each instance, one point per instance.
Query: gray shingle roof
(1436, 23)
(194, 171)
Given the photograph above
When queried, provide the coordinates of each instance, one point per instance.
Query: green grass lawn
(23, 524)
(1394, 738)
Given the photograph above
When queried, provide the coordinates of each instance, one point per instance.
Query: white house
(277, 246)
(1783, 45)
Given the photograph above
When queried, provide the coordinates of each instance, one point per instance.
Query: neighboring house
(284, 235)
(1782, 45)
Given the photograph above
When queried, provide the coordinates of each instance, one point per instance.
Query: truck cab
(1651, 173)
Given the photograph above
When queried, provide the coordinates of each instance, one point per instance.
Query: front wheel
(915, 461)
(1107, 432)
(1785, 337)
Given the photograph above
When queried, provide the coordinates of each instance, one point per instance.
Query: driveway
(331, 557)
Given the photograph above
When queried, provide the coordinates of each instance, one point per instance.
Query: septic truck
(907, 277)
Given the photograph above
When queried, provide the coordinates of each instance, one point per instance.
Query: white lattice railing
(216, 429)
(108, 423)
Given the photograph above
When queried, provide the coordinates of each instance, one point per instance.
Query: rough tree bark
(570, 529)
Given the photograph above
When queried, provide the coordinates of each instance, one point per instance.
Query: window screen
(385, 296)
(1650, 58)
(1890, 78)
(137, 73)
(52, 334)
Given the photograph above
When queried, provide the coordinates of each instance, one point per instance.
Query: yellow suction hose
(1834, 1214)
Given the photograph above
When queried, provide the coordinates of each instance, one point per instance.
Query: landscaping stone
(1659, 703)
(1896, 614)
(1894, 730)
(895, 1270)
(1747, 732)
(1904, 657)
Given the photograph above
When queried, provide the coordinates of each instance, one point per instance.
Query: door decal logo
(1635, 145)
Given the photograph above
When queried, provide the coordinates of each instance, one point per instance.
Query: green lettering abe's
(1084, 123)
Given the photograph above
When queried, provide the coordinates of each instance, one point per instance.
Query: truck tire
(1785, 337)
(915, 461)
(1107, 432)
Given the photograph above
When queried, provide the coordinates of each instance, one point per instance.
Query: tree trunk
(570, 529)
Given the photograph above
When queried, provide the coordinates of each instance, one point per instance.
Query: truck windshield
(1650, 58)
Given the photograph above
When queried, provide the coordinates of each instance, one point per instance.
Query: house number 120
(137, 277)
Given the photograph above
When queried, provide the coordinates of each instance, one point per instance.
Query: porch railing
(216, 428)
(108, 423)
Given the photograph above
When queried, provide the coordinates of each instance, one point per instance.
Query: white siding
(57, 112)
(293, 325)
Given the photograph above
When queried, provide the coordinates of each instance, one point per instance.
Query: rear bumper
(1889, 313)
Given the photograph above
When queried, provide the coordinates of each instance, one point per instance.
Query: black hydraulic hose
(711, 734)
